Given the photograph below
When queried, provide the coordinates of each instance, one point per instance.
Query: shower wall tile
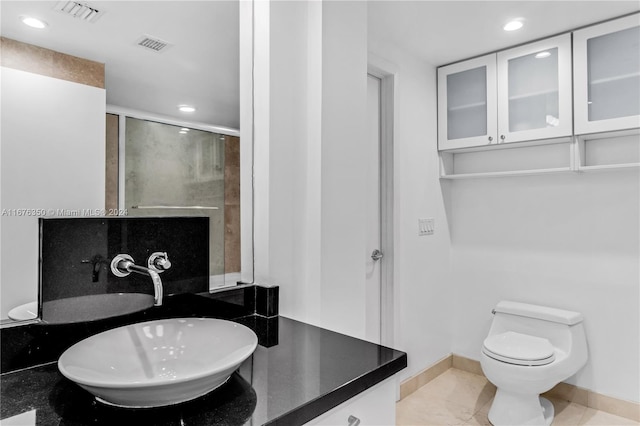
(232, 254)
(111, 175)
(38, 60)
(232, 185)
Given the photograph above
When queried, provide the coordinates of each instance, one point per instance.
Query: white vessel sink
(160, 362)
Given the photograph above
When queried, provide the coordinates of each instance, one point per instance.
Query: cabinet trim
(580, 149)
(576, 159)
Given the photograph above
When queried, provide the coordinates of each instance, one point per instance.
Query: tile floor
(457, 397)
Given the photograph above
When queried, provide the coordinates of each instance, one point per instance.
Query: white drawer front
(375, 406)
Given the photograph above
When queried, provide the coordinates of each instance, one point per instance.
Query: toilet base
(511, 409)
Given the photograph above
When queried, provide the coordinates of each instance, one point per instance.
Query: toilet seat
(519, 349)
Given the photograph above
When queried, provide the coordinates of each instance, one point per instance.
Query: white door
(373, 253)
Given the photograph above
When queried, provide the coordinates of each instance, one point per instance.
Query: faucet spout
(155, 278)
(122, 265)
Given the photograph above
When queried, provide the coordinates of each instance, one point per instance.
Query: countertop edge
(315, 408)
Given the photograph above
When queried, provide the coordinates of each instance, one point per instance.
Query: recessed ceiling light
(184, 129)
(186, 108)
(513, 25)
(183, 132)
(33, 22)
(543, 54)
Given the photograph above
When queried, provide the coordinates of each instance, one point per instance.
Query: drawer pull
(353, 421)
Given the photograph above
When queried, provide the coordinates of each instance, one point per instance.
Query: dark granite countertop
(297, 373)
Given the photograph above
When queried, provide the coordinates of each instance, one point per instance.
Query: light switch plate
(426, 226)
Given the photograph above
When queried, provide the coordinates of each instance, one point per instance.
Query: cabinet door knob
(503, 137)
(490, 139)
(353, 421)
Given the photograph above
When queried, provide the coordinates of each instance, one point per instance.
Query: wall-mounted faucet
(123, 264)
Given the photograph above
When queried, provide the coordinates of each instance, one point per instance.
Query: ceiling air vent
(78, 10)
(153, 43)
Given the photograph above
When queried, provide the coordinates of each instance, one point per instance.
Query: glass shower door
(177, 171)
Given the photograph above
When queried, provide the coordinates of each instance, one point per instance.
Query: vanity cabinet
(520, 94)
(606, 72)
(375, 406)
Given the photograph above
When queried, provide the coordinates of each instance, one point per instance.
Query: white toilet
(529, 350)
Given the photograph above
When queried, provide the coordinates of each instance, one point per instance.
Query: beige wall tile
(78, 70)
(232, 185)
(111, 173)
(38, 60)
(232, 249)
(232, 151)
(25, 57)
(232, 254)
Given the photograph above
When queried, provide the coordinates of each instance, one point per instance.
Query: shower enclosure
(173, 170)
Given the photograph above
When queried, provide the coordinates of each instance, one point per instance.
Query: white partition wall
(52, 164)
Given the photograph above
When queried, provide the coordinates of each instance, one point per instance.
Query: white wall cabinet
(520, 94)
(606, 72)
(467, 103)
(534, 91)
(592, 108)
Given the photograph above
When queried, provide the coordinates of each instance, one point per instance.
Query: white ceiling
(202, 67)
(441, 32)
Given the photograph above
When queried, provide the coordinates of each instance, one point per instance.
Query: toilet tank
(561, 327)
(539, 312)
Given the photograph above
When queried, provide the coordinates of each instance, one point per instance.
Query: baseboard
(564, 391)
(412, 384)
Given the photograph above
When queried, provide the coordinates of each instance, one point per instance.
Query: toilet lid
(518, 348)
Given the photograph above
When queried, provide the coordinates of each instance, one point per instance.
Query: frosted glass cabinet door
(607, 76)
(467, 103)
(534, 91)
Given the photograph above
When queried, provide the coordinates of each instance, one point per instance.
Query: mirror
(157, 55)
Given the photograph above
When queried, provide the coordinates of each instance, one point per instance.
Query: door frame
(379, 68)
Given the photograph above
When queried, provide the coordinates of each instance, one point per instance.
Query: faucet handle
(159, 262)
(120, 264)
